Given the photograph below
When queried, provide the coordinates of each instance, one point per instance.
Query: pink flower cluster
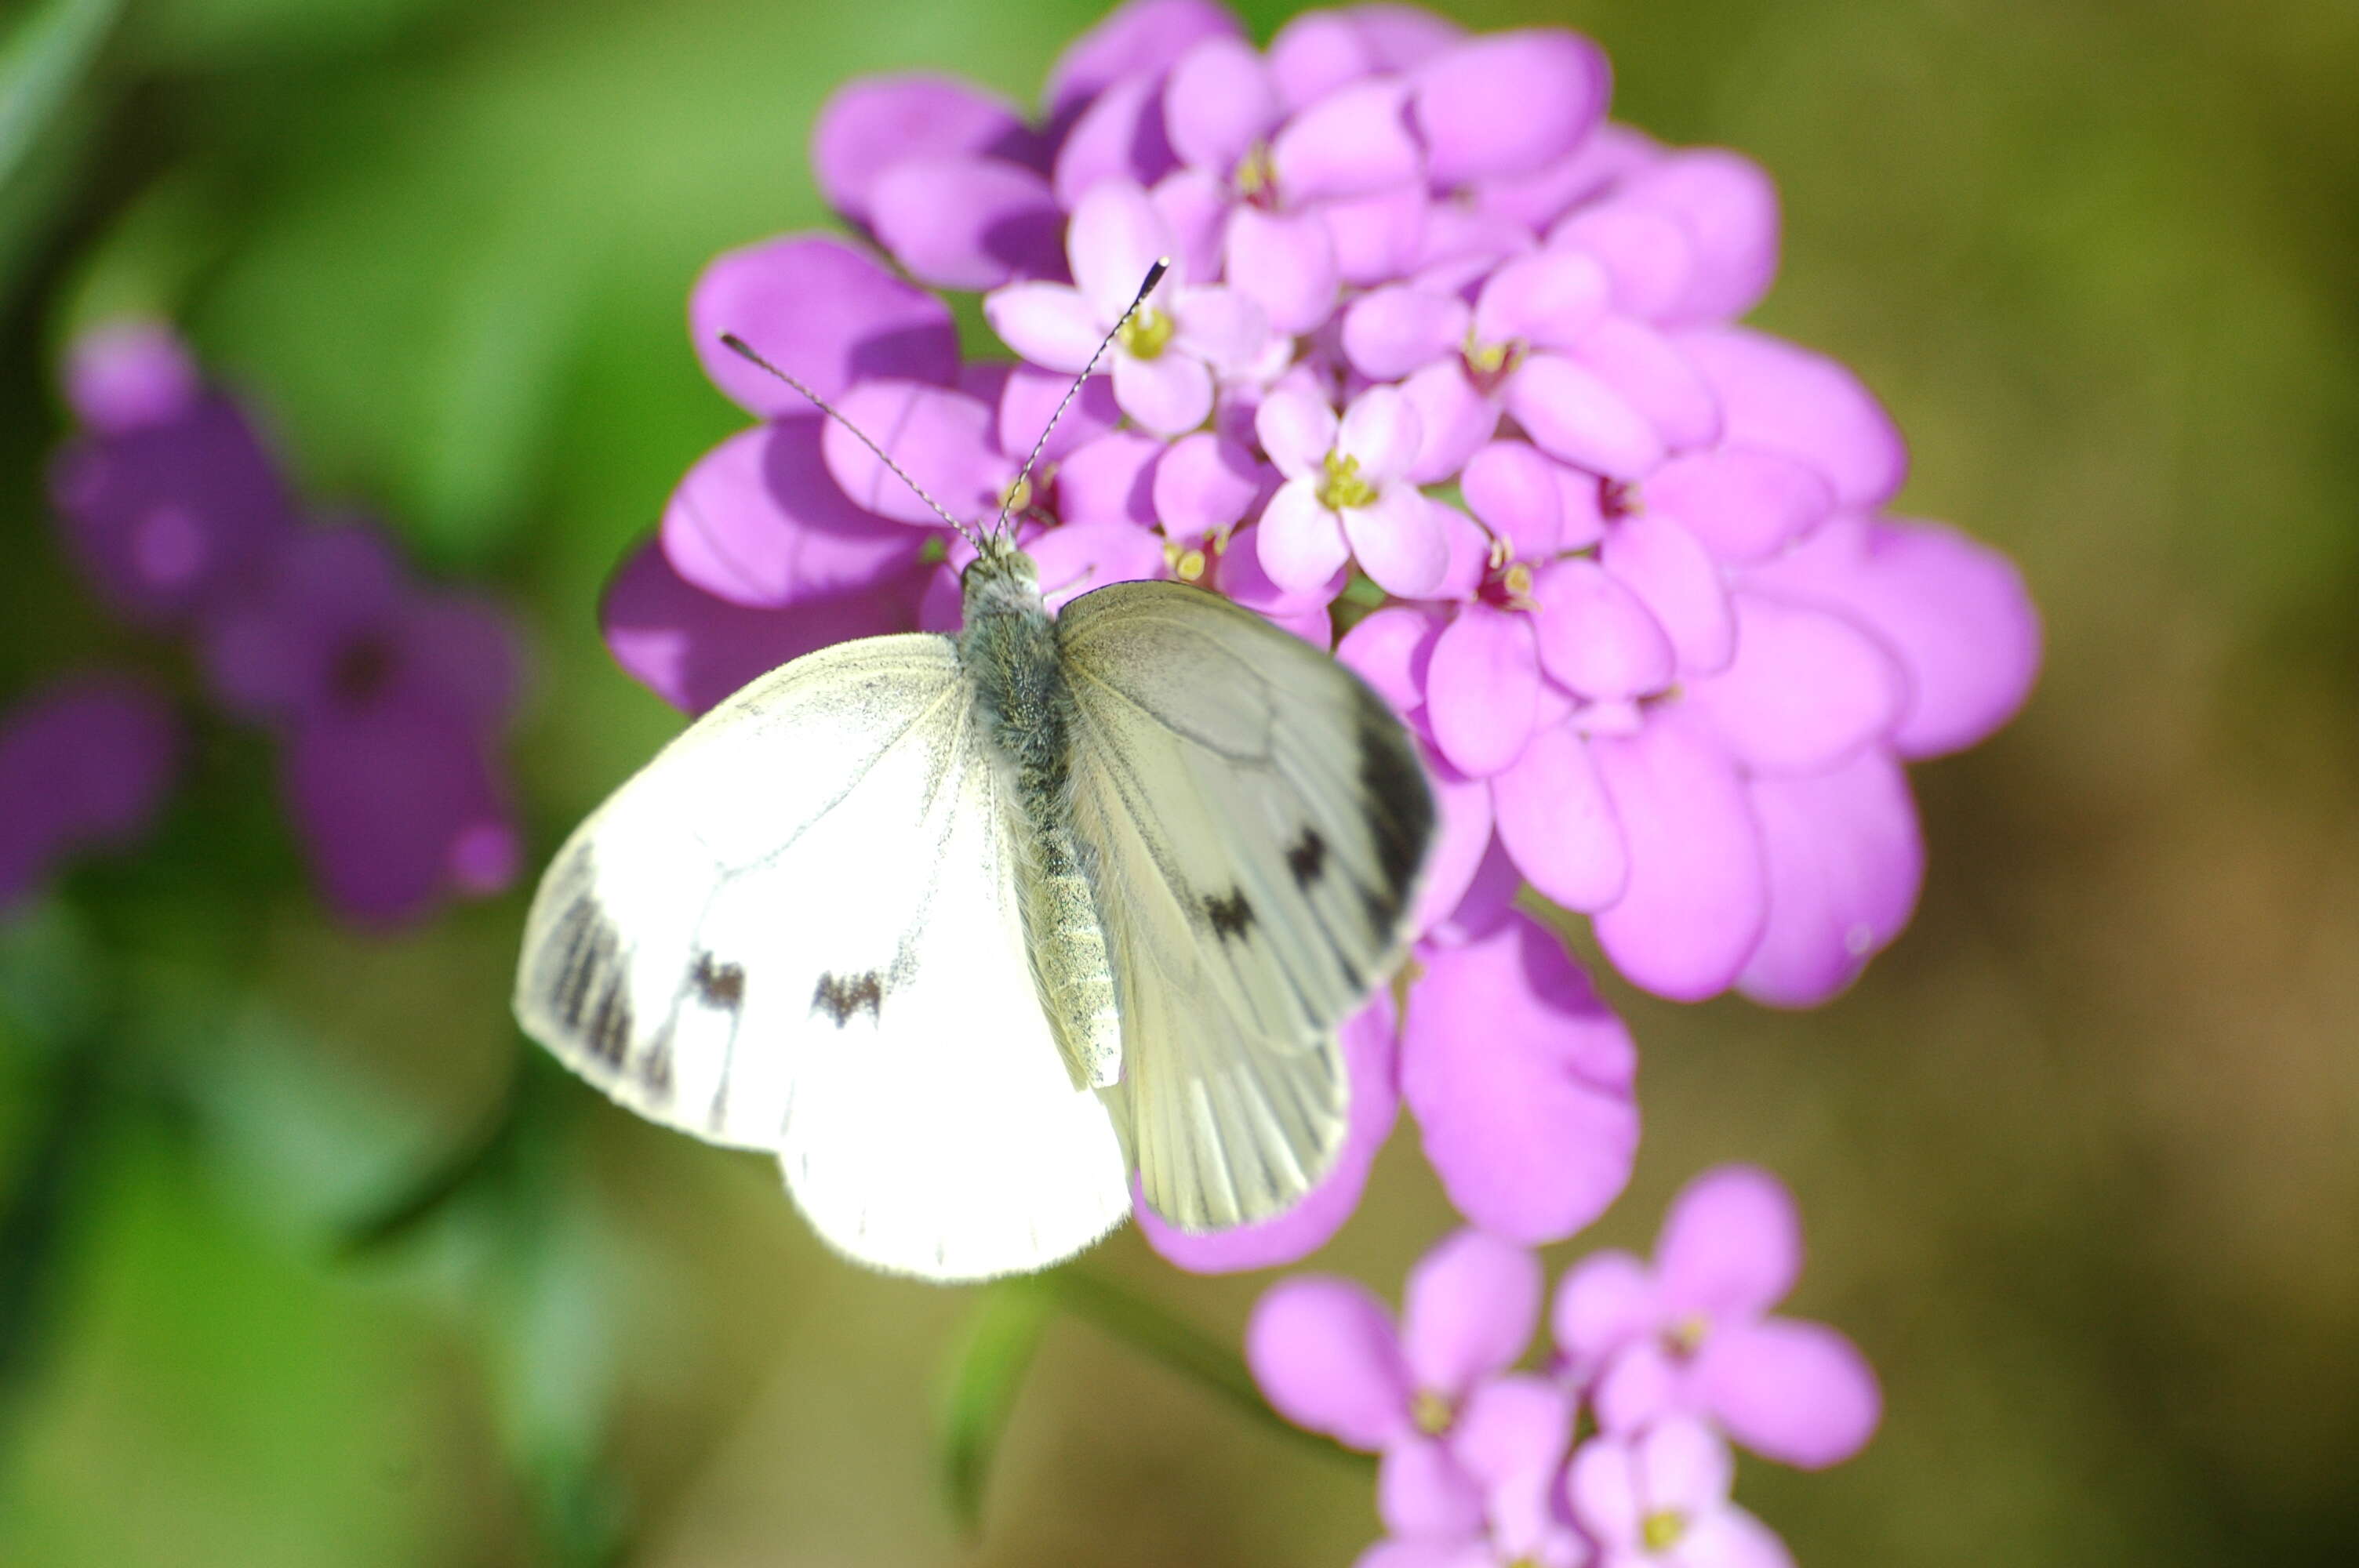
(1449, 361)
(387, 697)
(1668, 1361)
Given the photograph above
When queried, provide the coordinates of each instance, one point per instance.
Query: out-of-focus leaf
(37, 1215)
(44, 61)
(50, 988)
(487, 1156)
(208, 34)
(150, 257)
(985, 1376)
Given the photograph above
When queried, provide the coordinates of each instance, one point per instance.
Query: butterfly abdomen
(1009, 649)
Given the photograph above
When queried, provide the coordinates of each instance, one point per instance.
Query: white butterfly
(966, 929)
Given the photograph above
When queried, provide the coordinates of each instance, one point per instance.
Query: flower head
(84, 763)
(1662, 1498)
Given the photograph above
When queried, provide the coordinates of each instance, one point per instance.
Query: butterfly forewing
(797, 930)
(1260, 821)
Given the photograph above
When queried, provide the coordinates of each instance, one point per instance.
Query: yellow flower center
(1017, 497)
(1187, 565)
(1256, 175)
(1145, 335)
(1661, 1530)
(1518, 582)
(1489, 364)
(1431, 1412)
(1344, 486)
(1685, 1336)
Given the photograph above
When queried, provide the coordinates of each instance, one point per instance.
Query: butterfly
(968, 929)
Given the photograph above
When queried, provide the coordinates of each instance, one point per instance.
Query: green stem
(1180, 1346)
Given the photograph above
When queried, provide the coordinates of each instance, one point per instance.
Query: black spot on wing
(1230, 915)
(720, 987)
(840, 999)
(1401, 809)
(654, 1068)
(1306, 858)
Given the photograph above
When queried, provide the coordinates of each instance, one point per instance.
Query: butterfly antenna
(739, 347)
(1154, 275)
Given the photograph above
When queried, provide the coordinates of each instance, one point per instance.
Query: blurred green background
(2080, 1158)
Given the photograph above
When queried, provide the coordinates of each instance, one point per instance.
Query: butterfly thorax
(1027, 716)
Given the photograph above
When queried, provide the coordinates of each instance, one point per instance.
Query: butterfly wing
(797, 930)
(1259, 821)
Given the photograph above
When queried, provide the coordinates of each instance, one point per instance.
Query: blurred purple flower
(1662, 1498)
(1346, 493)
(84, 764)
(167, 496)
(1691, 1337)
(388, 701)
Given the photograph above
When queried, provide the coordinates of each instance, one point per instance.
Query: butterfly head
(1000, 581)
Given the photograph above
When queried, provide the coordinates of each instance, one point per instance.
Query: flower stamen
(1343, 485)
(1145, 334)
(1661, 1528)
(1431, 1412)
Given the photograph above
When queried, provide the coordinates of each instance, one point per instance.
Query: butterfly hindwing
(797, 930)
(1260, 821)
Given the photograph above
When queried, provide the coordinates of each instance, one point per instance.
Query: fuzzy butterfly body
(967, 929)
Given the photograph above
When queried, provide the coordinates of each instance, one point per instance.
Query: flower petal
(1219, 103)
(1111, 480)
(872, 122)
(1777, 396)
(1323, 1351)
(1556, 820)
(1422, 1494)
(1731, 1537)
(1030, 397)
(1203, 483)
(1392, 330)
(130, 374)
(1316, 52)
(1298, 430)
(1468, 1311)
(1595, 637)
(1222, 327)
(1243, 578)
(1806, 690)
(1513, 488)
(1489, 902)
(942, 439)
(1378, 237)
(1512, 1427)
(1603, 1486)
(1482, 690)
(1353, 142)
(1797, 1392)
(1079, 557)
(1698, 894)
(1520, 1080)
(1380, 429)
(759, 522)
(968, 222)
(1743, 504)
(1398, 541)
(1684, 1465)
(1049, 323)
(1731, 1246)
(692, 650)
(1571, 411)
(821, 309)
(1456, 419)
(1283, 262)
(1729, 207)
(1168, 395)
(1460, 840)
(1118, 137)
(1604, 1302)
(1648, 255)
(1141, 36)
(1116, 238)
(1680, 585)
(1549, 300)
(1508, 102)
(1392, 650)
(1300, 542)
(1654, 378)
(85, 762)
(1846, 864)
(1368, 1039)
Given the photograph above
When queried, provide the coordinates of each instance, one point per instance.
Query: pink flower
(1165, 358)
(1692, 1335)
(1434, 1396)
(1347, 494)
(1662, 1498)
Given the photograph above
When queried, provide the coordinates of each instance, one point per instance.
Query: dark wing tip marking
(589, 988)
(1402, 810)
(841, 999)
(1230, 915)
(1306, 858)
